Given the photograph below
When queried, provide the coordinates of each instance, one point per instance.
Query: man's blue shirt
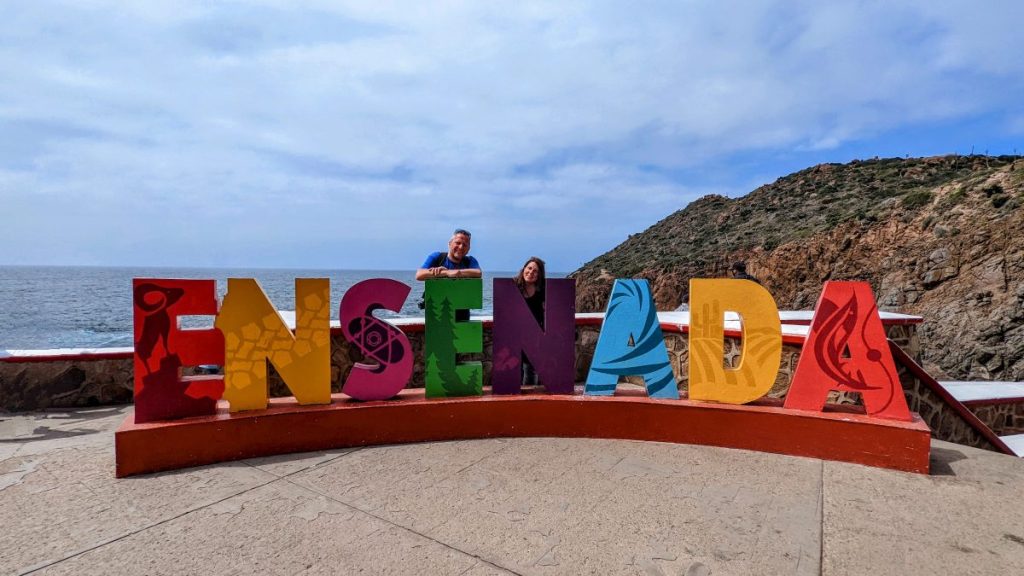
(467, 262)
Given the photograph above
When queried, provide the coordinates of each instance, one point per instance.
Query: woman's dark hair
(521, 283)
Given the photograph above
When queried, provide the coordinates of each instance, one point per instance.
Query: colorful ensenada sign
(183, 421)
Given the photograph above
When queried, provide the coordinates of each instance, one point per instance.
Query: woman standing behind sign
(530, 281)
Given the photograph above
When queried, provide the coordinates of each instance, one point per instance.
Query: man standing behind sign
(456, 263)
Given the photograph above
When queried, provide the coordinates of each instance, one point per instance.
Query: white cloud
(572, 123)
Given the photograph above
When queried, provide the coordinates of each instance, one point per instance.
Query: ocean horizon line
(246, 268)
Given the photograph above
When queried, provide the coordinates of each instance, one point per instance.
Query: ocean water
(43, 307)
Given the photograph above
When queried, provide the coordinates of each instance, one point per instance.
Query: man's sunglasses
(463, 232)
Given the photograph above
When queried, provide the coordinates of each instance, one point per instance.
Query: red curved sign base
(287, 427)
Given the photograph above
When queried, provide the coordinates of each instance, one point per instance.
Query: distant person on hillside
(739, 271)
(455, 263)
(530, 281)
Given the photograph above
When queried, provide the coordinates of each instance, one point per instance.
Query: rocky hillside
(939, 237)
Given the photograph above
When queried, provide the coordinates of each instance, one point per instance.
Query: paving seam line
(821, 518)
(401, 527)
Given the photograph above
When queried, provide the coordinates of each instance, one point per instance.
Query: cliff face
(940, 237)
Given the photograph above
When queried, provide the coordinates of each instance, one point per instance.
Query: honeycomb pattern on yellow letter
(254, 332)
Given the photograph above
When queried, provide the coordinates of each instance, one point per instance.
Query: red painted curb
(992, 401)
(287, 427)
(89, 357)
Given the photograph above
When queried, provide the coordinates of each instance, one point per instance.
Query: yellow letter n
(255, 332)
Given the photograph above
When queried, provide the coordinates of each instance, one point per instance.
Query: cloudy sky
(359, 134)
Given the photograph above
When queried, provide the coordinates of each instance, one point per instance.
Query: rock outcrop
(938, 237)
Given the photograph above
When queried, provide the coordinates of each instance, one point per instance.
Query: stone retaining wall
(945, 422)
(90, 381)
(949, 420)
(1004, 419)
(71, 383)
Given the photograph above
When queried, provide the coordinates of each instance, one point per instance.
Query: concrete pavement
(504, 506)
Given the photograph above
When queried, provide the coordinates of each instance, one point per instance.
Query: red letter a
(847, 350)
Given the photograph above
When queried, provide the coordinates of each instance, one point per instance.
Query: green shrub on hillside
(993, 190)
(953, 198)
(917, 199)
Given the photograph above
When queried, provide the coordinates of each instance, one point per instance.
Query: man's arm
(465, 273)
(473, 270)
(442, 272)
(425, 273)
(428, 271)
(430, 268)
